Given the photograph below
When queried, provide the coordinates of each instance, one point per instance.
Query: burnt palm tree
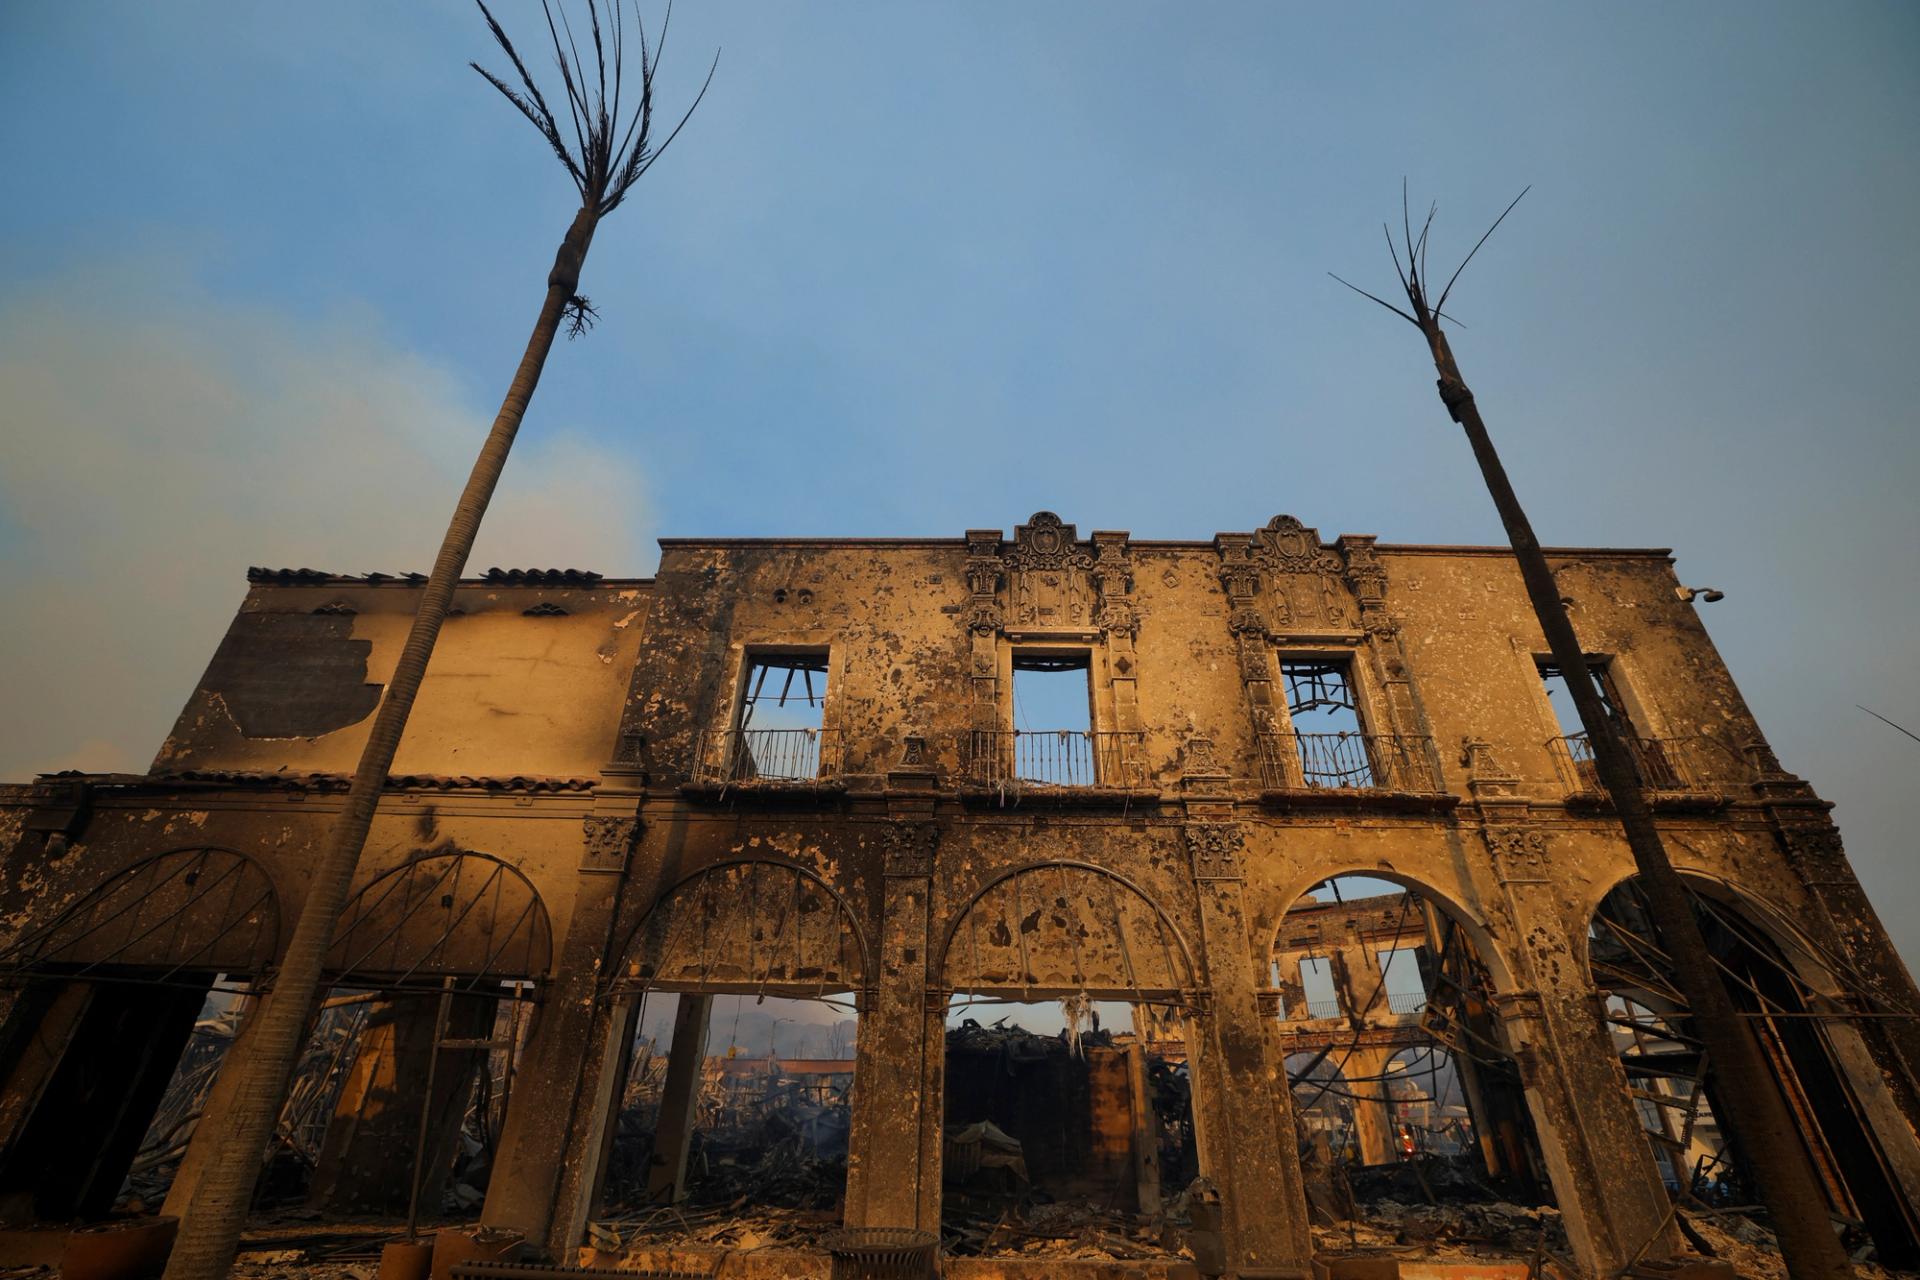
(1757, 1114)
(605, 146)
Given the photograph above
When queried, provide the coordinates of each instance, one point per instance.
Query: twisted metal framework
(469, 917)
(165, 920)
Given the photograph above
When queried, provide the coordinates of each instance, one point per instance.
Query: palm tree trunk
(1758, 1119)
(210, 1229)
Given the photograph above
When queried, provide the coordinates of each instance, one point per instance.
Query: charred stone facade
(581, 805)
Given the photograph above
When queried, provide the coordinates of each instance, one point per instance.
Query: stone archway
(1055, 929)
(197, 910)
(755, 925)
(1803, 1008)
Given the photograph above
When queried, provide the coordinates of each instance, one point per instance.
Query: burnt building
(842, 768)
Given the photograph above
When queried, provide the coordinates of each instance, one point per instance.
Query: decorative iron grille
(161, 920)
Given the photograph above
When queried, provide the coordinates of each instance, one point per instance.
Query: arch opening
(738, 993)
(1794, 1002)
(430, 984)
(1066, 1088)
(1405, 1089)
(178, 918)
(104, 1001)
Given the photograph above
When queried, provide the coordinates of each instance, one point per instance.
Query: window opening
(785, 691)
(1400, 970)
(1053, 740)
(1560, 695)
(1327, 731)
(1320, 697)
(782, 719)
(1657, 763)
(1053, 692)
(1316, 988)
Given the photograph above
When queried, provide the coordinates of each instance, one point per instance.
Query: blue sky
(915, 268)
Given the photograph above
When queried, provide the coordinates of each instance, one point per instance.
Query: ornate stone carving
(1215, 849)
(1283, 574)
(907, 848)
(1047, 575)
(607, 842)
(1118, 614)
(1365, 574)
(984, 617)
(982, 614)
(1247, 622)
(1518, 848)
(1481, 764)
(913, 749)
(1201, 758)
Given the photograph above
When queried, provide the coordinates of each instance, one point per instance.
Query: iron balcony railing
(1662, 764)
(1341, 761)
(741, 756)
(1311, 1009)
(1056, 758)
(1396, 1002)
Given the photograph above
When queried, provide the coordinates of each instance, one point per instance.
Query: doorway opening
(1067, 1127)
(733, 1118)
(1404, 1090)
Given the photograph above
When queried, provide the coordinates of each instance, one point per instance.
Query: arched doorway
(1405, 1088)
(106, 998)
(737, 995)
(1798, 1001)
(1066, 1088)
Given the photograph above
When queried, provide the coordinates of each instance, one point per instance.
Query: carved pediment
(1048, 582)
(1284, 577)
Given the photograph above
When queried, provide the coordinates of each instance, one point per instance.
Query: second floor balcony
(1065, 759)
(1669, 769)
(1308, 763)
(770, 758)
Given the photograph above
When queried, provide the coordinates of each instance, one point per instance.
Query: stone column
(893, 1154)
(1373, 1129)
(679, 1100)
(1248, 1150)
(1597, 1155)
(551, 1144)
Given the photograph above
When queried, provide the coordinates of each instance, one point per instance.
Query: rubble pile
(1481, 1230)
(1735, 1238)
(1067, 1230)
(762, 1140)
(715, 1226)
